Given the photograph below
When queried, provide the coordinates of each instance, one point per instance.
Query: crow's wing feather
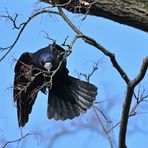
(25, 87)
(70, 99)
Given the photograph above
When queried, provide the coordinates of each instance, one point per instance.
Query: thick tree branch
(142, 72)
(130, 12)
(130, 83)
(126, 107)
(95, 44)
(109, 54)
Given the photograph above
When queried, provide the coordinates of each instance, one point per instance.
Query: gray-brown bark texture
(130, 12)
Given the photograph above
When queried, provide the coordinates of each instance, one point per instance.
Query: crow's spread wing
(69, 97)
(26, 87)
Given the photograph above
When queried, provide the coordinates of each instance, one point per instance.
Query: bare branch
(126, 107)
(104, 128)
(141, 97)
(12, 19)
(130, 12)
(88, 76)
(142, 72)
(21, 28)
(102, 113)
(18, 140)
(47, 37)
(131, 84)
(97, 45)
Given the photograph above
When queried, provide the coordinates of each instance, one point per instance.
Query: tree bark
(130, 12)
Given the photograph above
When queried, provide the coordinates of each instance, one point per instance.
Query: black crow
(46, 69)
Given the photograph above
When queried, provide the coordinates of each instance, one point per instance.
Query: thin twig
(17, 140)
(103, 127)
(22, 27)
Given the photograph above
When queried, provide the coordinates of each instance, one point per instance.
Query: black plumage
(34, 72)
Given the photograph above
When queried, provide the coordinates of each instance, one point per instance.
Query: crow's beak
(48, 66)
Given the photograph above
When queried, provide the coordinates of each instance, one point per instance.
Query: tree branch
(97, 45)
(17, 140)
(87, 77)
(130, 84)
(142, 72)
(126, 107)
(130, 12)
(141, 97)
(21, 27)
(103, 127)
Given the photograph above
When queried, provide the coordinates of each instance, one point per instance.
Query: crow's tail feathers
(71, 100)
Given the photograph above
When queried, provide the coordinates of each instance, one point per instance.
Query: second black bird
(68, 97)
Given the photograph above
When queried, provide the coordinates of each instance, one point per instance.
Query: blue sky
(130, 47)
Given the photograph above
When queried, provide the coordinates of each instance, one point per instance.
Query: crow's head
(48, 58)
